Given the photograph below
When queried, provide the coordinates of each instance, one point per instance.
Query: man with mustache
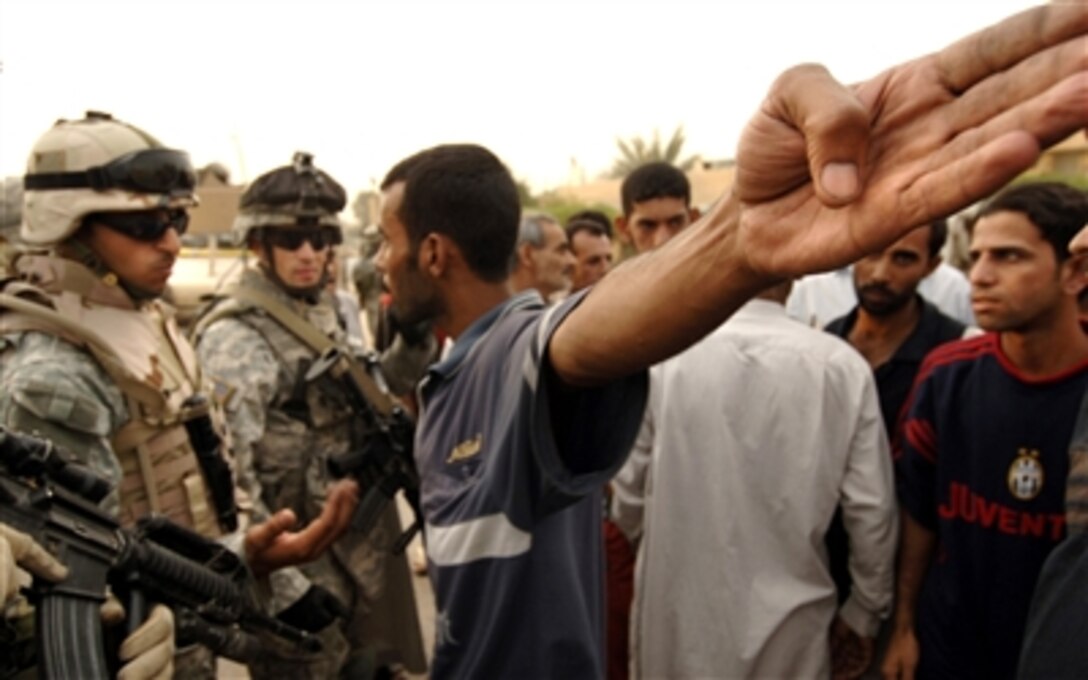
(542, 259)
(892, 325)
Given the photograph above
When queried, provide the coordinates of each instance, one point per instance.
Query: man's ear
(1074, 274)
(525, 254)
(694, 214)
(621, 228)
(253, 244)
(433, 255)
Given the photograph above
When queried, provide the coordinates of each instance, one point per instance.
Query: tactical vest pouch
(161, 475)
(209, 453)
(156, 460)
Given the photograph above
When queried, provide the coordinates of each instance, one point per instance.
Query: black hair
(593, 221)
(938, 233)
(462, 191)
(1057, 210)
(654, 180)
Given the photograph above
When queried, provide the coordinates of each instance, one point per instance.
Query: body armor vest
(153, 366)
(308, 419)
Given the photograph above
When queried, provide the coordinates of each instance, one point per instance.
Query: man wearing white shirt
(743, 483)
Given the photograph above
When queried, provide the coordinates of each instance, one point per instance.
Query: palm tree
(636, 151)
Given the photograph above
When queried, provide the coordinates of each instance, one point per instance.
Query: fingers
(1001, 46)
(261, 536)
(111, 611)
(835, 126)
(32, 557)
(807, 114)
(333, 522)
(149, 650)
(9, 572)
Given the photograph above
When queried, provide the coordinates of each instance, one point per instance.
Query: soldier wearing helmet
(286, 424)
(91, 358)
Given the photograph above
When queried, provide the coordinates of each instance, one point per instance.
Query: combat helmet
(98, 164)
(291, 197)
(287, 205)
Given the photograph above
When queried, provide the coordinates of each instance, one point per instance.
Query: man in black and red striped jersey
(985, 444)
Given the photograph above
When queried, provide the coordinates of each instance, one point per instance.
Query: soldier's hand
(148, 653)
(19, 550)
(272, 544)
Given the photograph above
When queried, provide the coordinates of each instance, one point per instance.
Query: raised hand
(917, 142)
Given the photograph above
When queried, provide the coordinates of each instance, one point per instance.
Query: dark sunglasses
(147, 226)
(291, 239)
(151, 171)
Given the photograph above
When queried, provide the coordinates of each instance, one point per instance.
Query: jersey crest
(1026, 475)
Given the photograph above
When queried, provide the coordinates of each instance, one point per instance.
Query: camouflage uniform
(54, 388)
(284, 429)
(93, 364)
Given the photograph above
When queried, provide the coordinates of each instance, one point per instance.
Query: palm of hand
(930, 137)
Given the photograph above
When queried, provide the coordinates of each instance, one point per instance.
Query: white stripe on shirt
(484, 537)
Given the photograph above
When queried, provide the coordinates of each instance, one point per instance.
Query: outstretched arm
(827, 173)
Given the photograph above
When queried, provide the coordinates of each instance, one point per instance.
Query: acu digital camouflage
(285, 427)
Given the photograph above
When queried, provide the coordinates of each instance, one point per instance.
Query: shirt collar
(479, 328)
(919, 343)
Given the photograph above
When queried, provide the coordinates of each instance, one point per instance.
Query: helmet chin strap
(308, 294)
(76, 249)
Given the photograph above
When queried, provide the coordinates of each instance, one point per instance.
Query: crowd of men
(877, 496)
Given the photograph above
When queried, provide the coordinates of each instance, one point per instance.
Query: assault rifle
(45, 495)
(385, 464)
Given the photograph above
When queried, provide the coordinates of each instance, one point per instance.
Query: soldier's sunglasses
(148, 226)
(291, 239)
(150, 171)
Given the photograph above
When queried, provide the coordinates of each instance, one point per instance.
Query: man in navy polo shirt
(533, 409)
(985, 444)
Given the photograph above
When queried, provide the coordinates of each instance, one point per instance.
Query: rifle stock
(155, 561)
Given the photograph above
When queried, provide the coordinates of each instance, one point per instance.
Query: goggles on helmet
(291, 239)
(148, 171)
(146, 225)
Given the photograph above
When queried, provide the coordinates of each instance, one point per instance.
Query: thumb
(835, 126)
(261, 536)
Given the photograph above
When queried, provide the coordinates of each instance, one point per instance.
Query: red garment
(619, 592)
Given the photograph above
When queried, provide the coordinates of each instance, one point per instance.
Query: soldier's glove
(148, 653)
(20, 550)
(314, 610)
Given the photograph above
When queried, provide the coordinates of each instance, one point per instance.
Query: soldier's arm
(250, 386)
(53, 390)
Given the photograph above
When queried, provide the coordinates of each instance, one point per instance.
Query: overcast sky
(363, 84)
